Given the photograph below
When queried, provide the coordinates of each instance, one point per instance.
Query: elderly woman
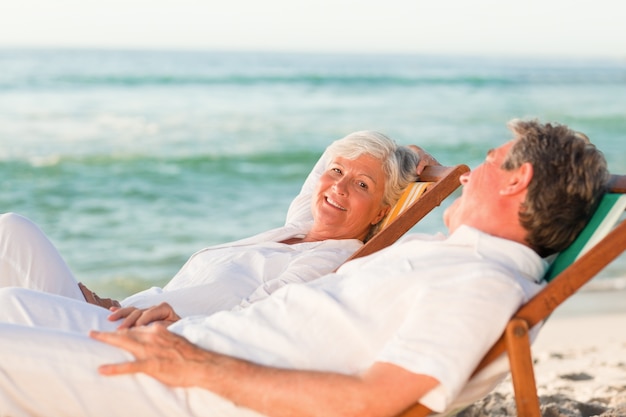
(357, 180)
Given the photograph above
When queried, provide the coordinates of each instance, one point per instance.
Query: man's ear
(518, 180)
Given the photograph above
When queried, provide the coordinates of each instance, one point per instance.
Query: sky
(571, 28)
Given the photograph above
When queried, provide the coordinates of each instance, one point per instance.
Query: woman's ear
(518, 180)
(381, 215)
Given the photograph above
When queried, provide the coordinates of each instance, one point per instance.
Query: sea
(132, 160)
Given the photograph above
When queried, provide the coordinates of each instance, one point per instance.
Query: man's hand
(383, 390)
(425, 159)
(162, 313)
(158, 352)
(92, 298)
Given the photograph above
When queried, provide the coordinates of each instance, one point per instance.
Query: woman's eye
(363, 185)
(337, 170)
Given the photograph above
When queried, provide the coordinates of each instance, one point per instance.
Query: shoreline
(591, 301)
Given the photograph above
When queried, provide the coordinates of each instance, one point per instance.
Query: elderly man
(410, 322)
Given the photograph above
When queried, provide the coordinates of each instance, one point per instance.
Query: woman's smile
(335, 204)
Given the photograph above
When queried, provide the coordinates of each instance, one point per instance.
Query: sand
(580, 362)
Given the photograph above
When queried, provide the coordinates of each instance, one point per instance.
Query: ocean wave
(41, 69)
(305, 79)
(266, 163)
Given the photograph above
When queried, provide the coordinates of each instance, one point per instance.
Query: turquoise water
(132, 160)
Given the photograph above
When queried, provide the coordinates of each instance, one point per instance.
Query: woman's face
(349, 198)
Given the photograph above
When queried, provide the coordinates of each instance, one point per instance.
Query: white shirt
(223, 276)
(240, 273)
(431, 306)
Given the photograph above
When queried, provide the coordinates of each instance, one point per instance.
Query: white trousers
(48, 364)
(28, 259)
(37, 287)
(26, 307)
(48, 372)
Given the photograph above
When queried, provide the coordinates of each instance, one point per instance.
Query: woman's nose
(340, 186)
(464, 178)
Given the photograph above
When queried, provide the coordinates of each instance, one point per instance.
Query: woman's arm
(425, 158)
(93, 298)
(383, 390)
(300, 207)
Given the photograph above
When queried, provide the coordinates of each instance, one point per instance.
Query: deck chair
(596, 246)
(436, 183)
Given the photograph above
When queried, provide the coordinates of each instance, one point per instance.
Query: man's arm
(384, 390)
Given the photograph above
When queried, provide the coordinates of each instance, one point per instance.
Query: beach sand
(580, 362)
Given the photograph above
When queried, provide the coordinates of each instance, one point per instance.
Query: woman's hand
(425, 159)
(92, 298)
(162, 313)
(158, 352)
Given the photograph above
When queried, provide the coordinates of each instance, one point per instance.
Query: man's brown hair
(570, 176)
